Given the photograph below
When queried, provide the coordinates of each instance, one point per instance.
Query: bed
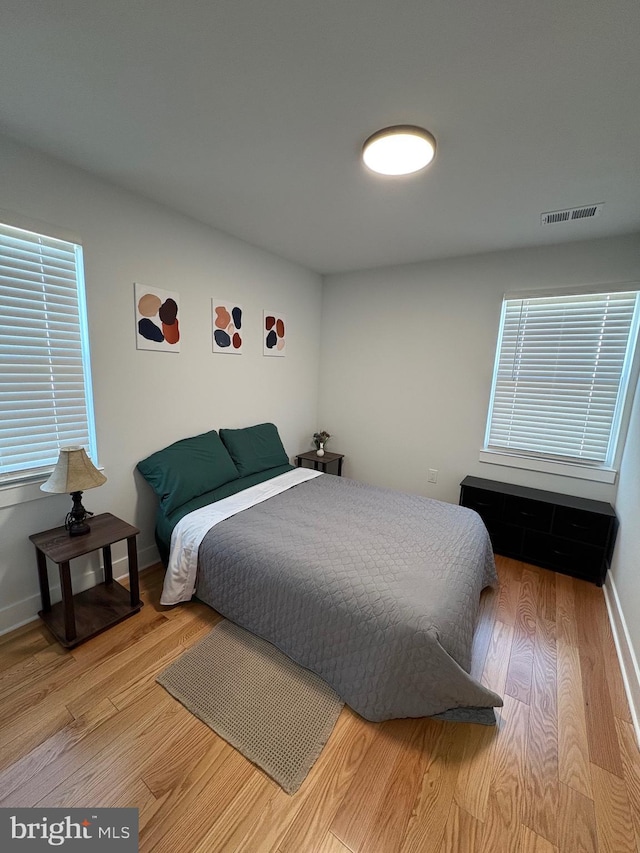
(376, 591)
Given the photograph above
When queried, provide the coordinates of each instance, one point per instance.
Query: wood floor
(560, 772)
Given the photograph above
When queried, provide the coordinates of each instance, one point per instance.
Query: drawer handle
(579, 526)
(560, 553)
(527, 514)
(482, 503)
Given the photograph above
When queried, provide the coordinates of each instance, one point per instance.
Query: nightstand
(78, 617)
(320, 463)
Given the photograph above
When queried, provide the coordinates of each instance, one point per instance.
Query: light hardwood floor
(560, 772)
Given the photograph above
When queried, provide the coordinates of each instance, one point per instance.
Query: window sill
(22, 491)
(546, 466)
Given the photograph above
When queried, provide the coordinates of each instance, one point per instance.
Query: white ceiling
(250, 114)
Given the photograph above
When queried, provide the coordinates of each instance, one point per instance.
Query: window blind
(45, 391)
(560, 376)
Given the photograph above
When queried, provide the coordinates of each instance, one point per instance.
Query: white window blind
(45, 386)
(561, 375)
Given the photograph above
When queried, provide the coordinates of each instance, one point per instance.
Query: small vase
(320, 450)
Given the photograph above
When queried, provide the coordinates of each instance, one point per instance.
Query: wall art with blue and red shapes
(274, 333)
(227, 319)
(157, 324)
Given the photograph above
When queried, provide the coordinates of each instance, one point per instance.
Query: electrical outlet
(433, 475)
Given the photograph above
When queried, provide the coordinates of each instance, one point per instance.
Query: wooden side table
(320, 463)
(78, 617)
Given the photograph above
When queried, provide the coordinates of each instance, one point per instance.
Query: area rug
(276, 713)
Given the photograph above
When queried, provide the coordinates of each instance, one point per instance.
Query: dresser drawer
(575, 558)
(487, 504)
(506, 538)
(532, 515)
(581, 525)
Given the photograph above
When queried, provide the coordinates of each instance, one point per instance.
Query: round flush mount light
(399, 150)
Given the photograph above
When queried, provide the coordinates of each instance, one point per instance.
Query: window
(45, 376)
(561, 376)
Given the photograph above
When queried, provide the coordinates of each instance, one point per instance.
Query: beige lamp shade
(74, 472)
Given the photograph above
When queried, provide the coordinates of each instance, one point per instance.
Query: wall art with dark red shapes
(274, 333)
(228, 321)
(157, 319)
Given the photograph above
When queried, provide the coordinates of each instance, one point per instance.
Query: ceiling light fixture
(399, 150)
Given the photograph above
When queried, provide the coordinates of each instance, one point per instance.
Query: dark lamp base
(78, 529)
(75, 522)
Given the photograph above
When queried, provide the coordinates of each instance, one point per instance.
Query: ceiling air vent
(571, 214)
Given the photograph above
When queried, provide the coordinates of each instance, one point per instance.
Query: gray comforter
(375, 590)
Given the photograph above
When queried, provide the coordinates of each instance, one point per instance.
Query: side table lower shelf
(95, 610)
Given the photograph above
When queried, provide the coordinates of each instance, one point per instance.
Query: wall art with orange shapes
(157, 319)
(274, 333)
(228, 332)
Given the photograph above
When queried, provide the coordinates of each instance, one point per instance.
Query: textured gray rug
(275, 712)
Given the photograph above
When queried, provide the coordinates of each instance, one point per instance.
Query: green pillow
(187, 469)
(255, 448)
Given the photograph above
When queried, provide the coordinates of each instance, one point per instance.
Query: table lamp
(73, 474)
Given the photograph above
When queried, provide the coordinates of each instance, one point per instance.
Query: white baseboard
(21, 612)
(626, 653)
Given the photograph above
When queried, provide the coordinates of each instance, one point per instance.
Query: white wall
(407, 361)
(623, 585)
(145, 400)
(626, 564)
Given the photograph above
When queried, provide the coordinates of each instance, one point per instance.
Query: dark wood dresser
(560, 532)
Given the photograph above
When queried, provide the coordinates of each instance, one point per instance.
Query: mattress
(376, 591)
